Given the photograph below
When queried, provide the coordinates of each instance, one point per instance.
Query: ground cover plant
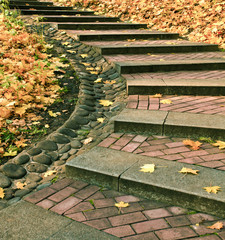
(202, 20)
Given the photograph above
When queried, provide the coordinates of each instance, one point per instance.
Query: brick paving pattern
(168, 148)
(142, 219)
(189, 104)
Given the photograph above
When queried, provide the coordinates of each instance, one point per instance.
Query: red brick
(123, 141)
(202, 230)
(138, 151)
(222, 235)
(172, 157)
(144, 236)
(116, 147)
(83, 206)
(61, 195)
(127, 199)
(40, 195)
(132, 105)
(46, 204)
(211, 237)
(107, 142)
(178, 221)
(79, 217)
(176, 150)
(157, 213)
(151, 225)
(116, 135)
(194, 153)
(200, 217)
(127, 219)
(152, 154)
(101, 213)
(213, 164)
(175, 233)
(86, 192)
(153, 148)
(143, 97)
(174, 144)
(144, 144)
(139, 138)
(177, 210)
(143, 104)
(130, 147)
(79, 184)
(147, 204)
(101, 203)
(160, 141)
(99, 223)
(65, 205)
(62, 183)
(121, 231)
(133, 98)
(97, 195)
(194, 160)
(214, 150)
(133, 207)
(221, 168)
(214, 157)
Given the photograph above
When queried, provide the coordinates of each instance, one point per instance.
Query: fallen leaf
(94, 72)
(49, 173)
(65, 43)
(84, 55)
(88, 140)
(166, 101)
(52, 114)
(213, 189)
(158, 95)
(121, 204)
(105, 103)
(217, 225)
(10, 154)
(46, 126)
(188, 170)
(219, 144)
(86, 64)
(110, 82)
(194, 145)
(71, 51)
(100, 120)
(148, 168)
(20, 185)
(2, 194)
(161, 60)
(98, 80)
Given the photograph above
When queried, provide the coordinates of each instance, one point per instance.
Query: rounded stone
(80, 120)
(68, 132)
(42, 158)
(73, 151)
(48, 145)
(65, 156)
(31, 185)
(22, 159)
(54, 155)
(37, 167)
(88, 108)
(76, 144)
(13, 200)
(34, 151)
(65, 149)
(13, 171)
(33, 178)
(3, 205)
(59, 163)
(4, 181)
(72, 124)
(82, 112)
(9, 192)
(44, 185)
(59, 138)
(21, 192)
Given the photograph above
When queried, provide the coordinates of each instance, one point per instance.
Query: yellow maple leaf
(86, 64)
(121, 204)
(90, 69)
(105, 103)
(46, 126)
(213, 189)
(2, 194)
(100, 120)
(10, 153)
(219, 144)
(110, 82)
(20, 185)
(84, 55)
(98, 80)
(49, 173)
(52, 114)
(194, 145)
(188, 170)
(94, 72)
(88, 140)
(20, 110)
(71, 51)
(21, 143)
(157, 95)
(166, 101)
(65, 43)
(217, 225)
(148, 168)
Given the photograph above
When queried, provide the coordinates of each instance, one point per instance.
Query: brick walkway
(169, 148)
(190, 104)
(142, 219)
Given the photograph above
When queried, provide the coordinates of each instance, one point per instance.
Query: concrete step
(101, 26)
(167, 66)
(79, 19)
(55, 12)
(170, 123)
(204, 87)
(141, 47)
(27, 3)
(121, 171)
(120, 35)
(38, 7)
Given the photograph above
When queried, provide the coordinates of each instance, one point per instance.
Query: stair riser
(112, 37)
(168, 130)
(31, 3)
(50, 12)
(169, 67)
(173, 90)
(97, 27)
(77, 19)
(39, 7)
(158, 49)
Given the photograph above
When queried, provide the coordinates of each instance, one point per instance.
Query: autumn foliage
(199, 20)
(27, 83)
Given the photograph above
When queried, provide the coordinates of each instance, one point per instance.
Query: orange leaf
(4, 112)
(194, 145)
(217, 225)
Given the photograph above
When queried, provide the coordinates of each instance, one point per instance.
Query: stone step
(111, 35)
(204, 87)
(170, 123)
(79, 19)
(121, 171)
(100, 26)
(141, 47)
(167, 66)
(55, 12)
(32, 2)
(38, 7)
